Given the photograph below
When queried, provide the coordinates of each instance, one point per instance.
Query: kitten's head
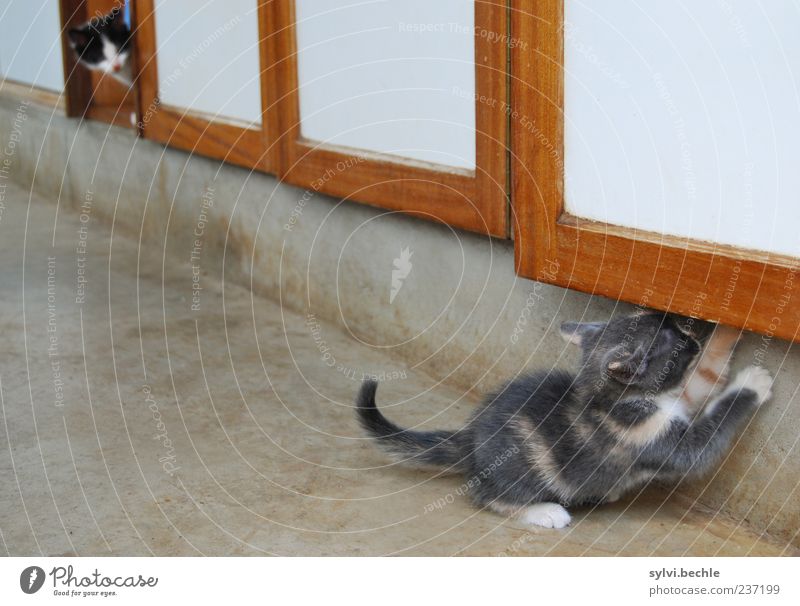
(648, 352)
(103, 43)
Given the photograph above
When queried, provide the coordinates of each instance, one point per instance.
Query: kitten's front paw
(756, 379)
(547, 515)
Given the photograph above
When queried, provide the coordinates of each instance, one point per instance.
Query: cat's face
(649, 351)
(102, 44)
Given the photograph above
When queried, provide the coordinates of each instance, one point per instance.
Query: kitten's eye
(664, 340)
(694, 346)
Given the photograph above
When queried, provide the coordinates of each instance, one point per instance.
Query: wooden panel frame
(753, 290)
(195, 132)
(473, 200)
(78, 84)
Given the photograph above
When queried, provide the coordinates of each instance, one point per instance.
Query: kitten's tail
(435, 448)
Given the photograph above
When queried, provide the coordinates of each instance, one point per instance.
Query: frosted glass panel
(396, 77)
(208, 57)
(684, 118)
(30, 43)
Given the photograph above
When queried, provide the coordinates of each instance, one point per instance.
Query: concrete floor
(134, 425)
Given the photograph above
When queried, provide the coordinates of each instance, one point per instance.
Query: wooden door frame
(473, 200)
(194, 132)
(77, 83)
(748, 289)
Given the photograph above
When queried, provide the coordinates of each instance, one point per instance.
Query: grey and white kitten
(104, 44)
(553, 439)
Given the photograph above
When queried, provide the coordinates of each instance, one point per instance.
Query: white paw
(757, 379)
(547, 515)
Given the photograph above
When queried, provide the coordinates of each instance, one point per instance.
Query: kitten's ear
(578, 332)
(116, 20)
(78, 37)
(625, 366)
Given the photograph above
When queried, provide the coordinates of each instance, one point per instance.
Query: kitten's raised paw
(547, 515)
(756, 379)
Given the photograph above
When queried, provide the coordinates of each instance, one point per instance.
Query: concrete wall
(461, 315)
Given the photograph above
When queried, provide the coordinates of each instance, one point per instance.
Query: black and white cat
(649, 402)
(104, 44)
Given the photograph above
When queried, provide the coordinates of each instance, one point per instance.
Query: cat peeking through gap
(104, 44)
(649, 402)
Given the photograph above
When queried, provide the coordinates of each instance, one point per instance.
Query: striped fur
(589, 437)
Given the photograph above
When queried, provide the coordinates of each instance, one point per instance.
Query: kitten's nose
(115, 67)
